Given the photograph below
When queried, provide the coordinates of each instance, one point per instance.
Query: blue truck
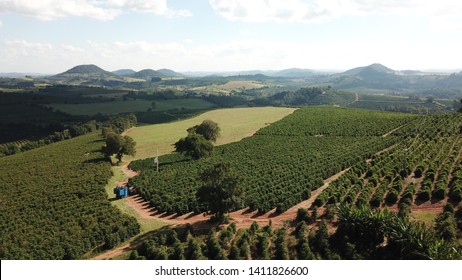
(121, 191)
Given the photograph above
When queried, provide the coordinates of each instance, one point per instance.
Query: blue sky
(50, 36)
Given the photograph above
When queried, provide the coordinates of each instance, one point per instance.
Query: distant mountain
(406, 82)
(86, 69)
(367, 70)
(294, 73)
(124, 72)
(169, 73)
(286, 73)
(374, 76)
(147, 74)
(20, 75)
(88, 75)
(411, 72)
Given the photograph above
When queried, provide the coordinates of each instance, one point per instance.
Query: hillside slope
(53, 203)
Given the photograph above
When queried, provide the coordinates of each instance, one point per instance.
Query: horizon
(217, 36)
(236, 72)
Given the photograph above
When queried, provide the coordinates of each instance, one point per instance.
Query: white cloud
(226, 56)
(96, 9)
(446, 24)
(71, 48)
(322, 10)
(1, 24)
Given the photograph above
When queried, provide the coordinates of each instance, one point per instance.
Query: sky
(51, 36)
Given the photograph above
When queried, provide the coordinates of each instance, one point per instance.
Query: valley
(309, 152)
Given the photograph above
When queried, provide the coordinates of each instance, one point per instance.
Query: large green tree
(119, 145)
(221, 190)
(195, 146)
(209, 129)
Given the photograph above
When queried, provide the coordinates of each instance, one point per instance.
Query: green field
(120, 106)
(235, 124)
(281, 164)
(53, 204)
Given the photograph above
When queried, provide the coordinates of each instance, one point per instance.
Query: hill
(124, 72)
(312, 96)
(169, 73)
(147, 74)
(53, 203)
(86, 69)
(366, 70)
(377, 77)
(294, 73)
(87, 75)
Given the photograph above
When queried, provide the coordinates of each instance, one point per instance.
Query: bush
(302, 215)
(392, 197)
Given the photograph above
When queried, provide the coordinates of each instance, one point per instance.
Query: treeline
(361, 234)
(116, 124)
(308, 96)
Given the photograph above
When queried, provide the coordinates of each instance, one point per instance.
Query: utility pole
(156, 161)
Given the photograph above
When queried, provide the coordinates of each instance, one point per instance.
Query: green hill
(53, 204)
(147, 74)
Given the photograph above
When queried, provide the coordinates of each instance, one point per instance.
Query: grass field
(235, 124)
(120, 106)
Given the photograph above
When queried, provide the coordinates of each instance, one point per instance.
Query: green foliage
(194, 251)
(54, 205)
(303, 246)
(280, 164)
(195, 146)
(221, 191)
(320, 242)
(209, 129)
(362, 233)
(366, 231)
(214, 250)
(262, 247)
(302, 214)
(119, 145)
(312, 96)
(427, 144)
(280, 243)
(445, 226)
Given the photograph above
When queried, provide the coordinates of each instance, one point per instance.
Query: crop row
(278, 169)
(423, 167)
(53, 203)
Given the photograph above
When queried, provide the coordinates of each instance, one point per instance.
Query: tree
(262, 247)
(209, 129)
(302, 215)
(303, 246)
(221, 190)
(194, 251)
(119, 145)
(445, 226)
(281, 252)
(214, 250)
(195, 146)
(321, 241)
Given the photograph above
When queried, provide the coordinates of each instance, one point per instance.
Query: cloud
(96, 9)
(24, 56)
(1, 24)
(322, 10)
(446, 24)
